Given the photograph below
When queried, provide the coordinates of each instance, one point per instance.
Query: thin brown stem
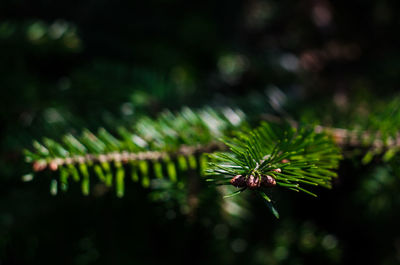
(124, 156)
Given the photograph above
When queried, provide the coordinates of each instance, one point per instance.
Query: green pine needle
(287, 157)
(165, 147)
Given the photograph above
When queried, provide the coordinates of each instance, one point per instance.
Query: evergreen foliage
(272, 156)
(160, 148)
(370, 129)
(267, 156)
(71, 67)
(167, 147)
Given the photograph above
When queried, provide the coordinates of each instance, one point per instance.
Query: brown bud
(278, 170)
(238, 181)
(53, 166)
(253, 182)
(268, 181)
(39, 165)
(285, 160)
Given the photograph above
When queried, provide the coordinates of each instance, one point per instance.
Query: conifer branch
(276, 156)
(375, 139)
(284, 155)
(164, 147)
(125, 157)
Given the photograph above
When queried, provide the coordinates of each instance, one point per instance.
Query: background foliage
(70, 65)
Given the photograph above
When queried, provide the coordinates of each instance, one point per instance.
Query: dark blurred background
(70, 65)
